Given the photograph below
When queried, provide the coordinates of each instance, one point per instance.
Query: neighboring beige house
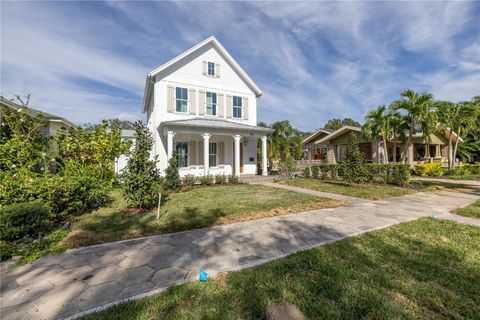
(333, 147)
(315, 151)
(52, 122)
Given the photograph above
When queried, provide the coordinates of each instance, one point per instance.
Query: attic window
(211, 68)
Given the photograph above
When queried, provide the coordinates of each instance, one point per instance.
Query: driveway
(85, 280)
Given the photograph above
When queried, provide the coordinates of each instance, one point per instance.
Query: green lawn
(472, 211)
(463, 177)
(425, 269)
(195, 208)
(368, 190)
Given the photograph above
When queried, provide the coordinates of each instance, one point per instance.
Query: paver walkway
(83, 280)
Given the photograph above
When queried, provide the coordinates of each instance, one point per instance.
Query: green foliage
(233, 179)
(288, 168)
(354, 166)
(207, 180)
(315, 169)
(24, 220)
(472, 168)
(284, 142)
(189, 180)
(141, 180)
(172, 177)
(306, 172)
(50, 244)
(220, 179)
(96, 147)
(335, 124)
(7, 250)
(428, 169)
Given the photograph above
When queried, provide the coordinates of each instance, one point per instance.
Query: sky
(314, 61)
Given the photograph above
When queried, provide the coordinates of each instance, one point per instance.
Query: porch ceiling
(200, 125)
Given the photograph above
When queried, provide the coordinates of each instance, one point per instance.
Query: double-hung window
(237, 107)
(181, 99)
(211, 69)
(182, 154)
(212, 154)
(211, 103)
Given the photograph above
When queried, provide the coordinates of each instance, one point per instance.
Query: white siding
(188, 74)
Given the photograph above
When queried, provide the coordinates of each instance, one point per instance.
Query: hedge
(428, 169)
(392, 173)
(24, 220)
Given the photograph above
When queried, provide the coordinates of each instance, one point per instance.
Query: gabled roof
(36, 113)
(211, 40)
(214, 123)
(337, 133)
(315, 134)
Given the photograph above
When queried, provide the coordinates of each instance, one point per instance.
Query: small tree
(141, 180)
(354, 167)
(172, 177)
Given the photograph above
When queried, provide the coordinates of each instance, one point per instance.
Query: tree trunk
(456, 147)
(450, 164)
(394, 151)
(385, 151)
(406, 148)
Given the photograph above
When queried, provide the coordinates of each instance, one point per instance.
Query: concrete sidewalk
(88, 279)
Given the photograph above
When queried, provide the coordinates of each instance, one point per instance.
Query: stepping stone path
(88, 279)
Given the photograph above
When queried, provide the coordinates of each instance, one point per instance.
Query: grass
(369, 191)
(195, 208)
(463, 177)
(472, 210)
(425, 269)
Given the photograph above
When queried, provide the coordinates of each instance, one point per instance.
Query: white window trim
(188, 102)
(233, 108)
(214, 71)
(216, 104)
(216, 155)
(188, 153)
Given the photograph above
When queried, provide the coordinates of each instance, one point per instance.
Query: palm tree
(397, 126)
(416, 109)
(378, 126)
(467, 118)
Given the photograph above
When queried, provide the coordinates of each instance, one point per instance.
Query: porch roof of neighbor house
(338, 133)
(214, 124)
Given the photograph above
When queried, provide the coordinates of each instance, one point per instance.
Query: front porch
(215, 147)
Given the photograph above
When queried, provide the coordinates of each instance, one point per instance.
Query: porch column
(170, 135)
(206, 149)
(264, 156)
(237, 154)
(437, 151)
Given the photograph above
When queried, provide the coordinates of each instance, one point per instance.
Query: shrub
(288, 169)
(472, 168)
(428, 169)
(233, 179)
(189, 180)
(354, 167)
(172, 177)
(206, 180)
(7, 250)
(306, 173)
(24, 220)
(220, 179)
(399, 174)
(315, 170)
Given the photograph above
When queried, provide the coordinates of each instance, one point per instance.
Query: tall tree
(416, 109)
(377, 126)
(335, 124)
(285, 142)
(141, 179)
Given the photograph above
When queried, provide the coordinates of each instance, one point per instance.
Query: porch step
(251, 178)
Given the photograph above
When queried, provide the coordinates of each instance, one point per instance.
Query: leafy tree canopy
(335, 124)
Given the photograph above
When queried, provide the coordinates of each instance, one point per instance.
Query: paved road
(87, 279)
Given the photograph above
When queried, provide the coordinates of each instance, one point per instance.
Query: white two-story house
(203, 105)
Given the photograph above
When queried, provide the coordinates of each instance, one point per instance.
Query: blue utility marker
(433, 215)
(203, 275)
